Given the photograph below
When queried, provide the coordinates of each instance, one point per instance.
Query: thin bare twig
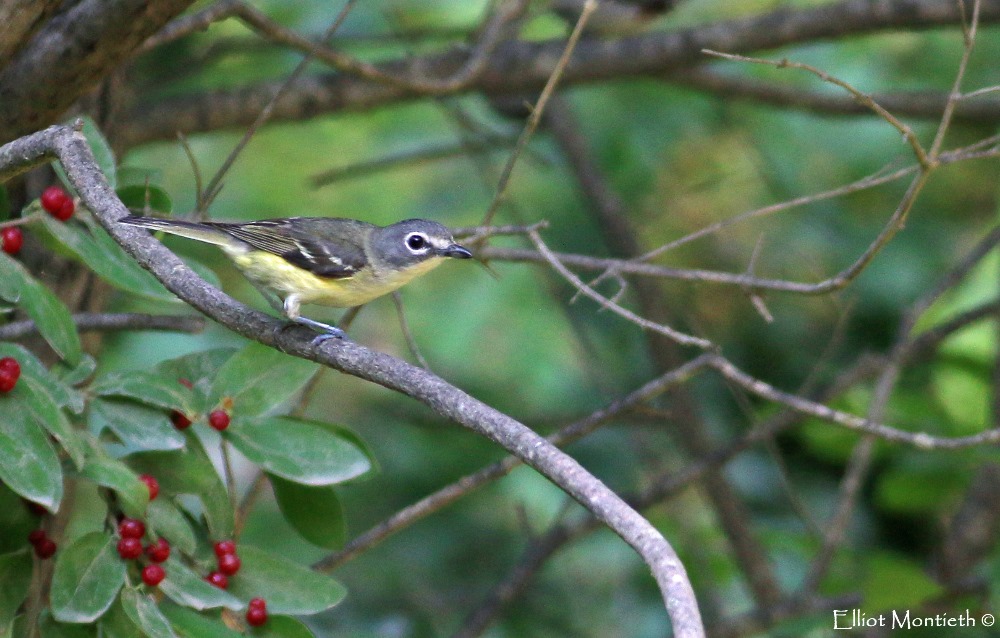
(215, 184)
(667, 331)
(112, 321)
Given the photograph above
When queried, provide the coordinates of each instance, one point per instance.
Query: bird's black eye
(416, 241)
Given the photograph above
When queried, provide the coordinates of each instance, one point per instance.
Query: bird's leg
(291, 310)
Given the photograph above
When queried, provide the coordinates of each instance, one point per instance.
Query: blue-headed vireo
(322, 260)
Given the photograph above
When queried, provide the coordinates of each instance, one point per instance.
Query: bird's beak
(454, 250)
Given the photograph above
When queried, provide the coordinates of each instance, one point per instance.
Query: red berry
(158, 551)
(11, 240)
(10, 372)
(131, 528)
(65, 211)
(257, 602)
(130, 548)
(225, 547)
(256, 614)
(10, 364)
(180, 420)
(229, 564)
(219, 419)
(53, 199)
(153, 575)
(7, 381)
(45, 549)
(218, 579)
(152, 484)
(36, 536)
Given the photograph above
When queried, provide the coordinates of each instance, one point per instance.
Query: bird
(328, 261)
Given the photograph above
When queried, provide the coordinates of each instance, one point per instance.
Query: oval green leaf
(87, 577)
(288, 588)
(137, 196)
(166, 520)
(259, 379)
(28, 464)
(298, 450)
(63, 394)
(190, 471)
(137, 426)
(186, 588)
(15, 577)
(194, 625)
(51, 317)
(142, 610)
(118, 477)
(314, 512)
(146, 387)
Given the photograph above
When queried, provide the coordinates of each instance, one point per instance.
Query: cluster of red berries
(256, 612)
(229, 564)
(130, 547)
(10, 372)
(57, 203)
(44, 546)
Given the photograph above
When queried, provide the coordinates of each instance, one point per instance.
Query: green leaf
(141, 610)
(191, 624)
(50, 417)
(314, 512)
(28, 464)
(89, 513)
(134, 198)
(147, 387)
(87, 577)
(288, 588)
(190, 471)
(116, 623)
(99, 146)
(200, 368)
(64, 395)
(49, 628)
(91, 245)
(259, 379)
(118, 477)
(139, 176)
(15, 577)
(282, 627)
(80, 372)
(166, 520)
(298, 450)
(49, 314)
(186, 588)
(137, 426)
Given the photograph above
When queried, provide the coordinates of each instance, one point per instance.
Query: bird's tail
(207, 232)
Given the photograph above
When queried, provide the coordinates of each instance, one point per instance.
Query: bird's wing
(318, 249)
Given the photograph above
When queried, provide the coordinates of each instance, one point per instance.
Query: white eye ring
(417, 243)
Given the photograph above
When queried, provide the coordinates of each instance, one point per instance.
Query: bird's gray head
(413, 241)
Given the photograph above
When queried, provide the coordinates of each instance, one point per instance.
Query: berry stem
(227, 465)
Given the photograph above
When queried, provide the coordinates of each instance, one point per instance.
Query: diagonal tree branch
(70, 147)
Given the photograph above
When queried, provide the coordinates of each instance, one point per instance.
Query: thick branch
(70, 53)
(518, 66)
